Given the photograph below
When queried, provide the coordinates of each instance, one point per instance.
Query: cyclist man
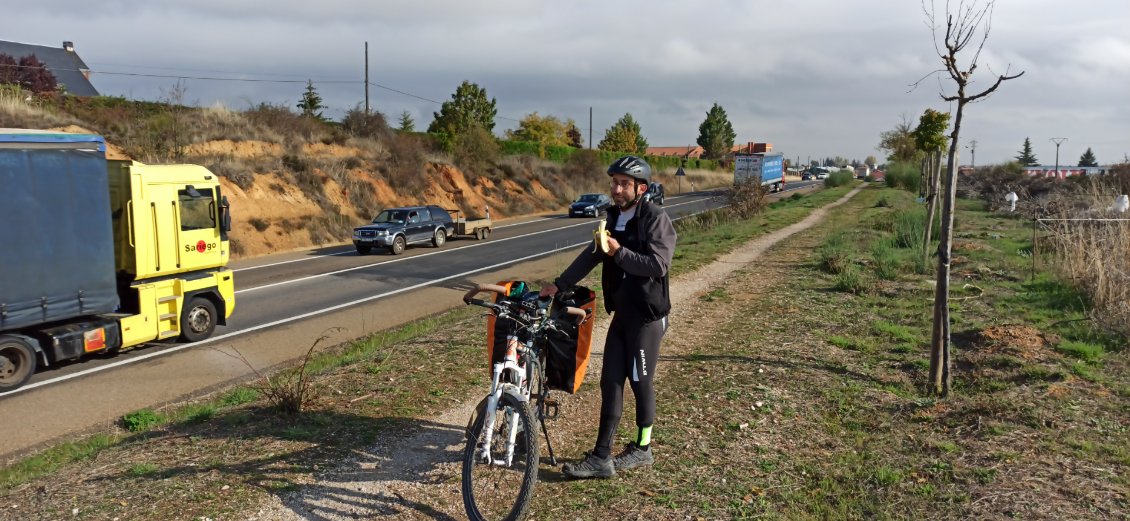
(635, 284)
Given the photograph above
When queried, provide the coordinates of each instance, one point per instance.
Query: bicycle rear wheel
(494, 491)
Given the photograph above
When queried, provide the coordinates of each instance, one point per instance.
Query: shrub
(142, 420)
(747, 199)
(905, 176)
(885, 260)
(834, 254)
(839, 178)
(476, 150)
(851, 280)
(259, 224)
(910, 227)
(369, 125)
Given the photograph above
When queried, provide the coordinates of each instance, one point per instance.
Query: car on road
(589, 205)
(395, 228)
(807, 176)
(655, 193)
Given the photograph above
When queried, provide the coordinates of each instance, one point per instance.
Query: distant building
(64, 63)
(683, 152)
(1064, 171)
(752, 148)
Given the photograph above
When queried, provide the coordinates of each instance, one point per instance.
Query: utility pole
(1057, 141)
(972, 152)
(366, 78)
(590, 128)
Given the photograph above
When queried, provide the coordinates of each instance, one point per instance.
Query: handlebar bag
(567, 353)
(500, 328)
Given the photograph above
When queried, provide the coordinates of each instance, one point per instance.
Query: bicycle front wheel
(497, 487)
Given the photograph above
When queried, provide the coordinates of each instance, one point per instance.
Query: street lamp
(1058, 141)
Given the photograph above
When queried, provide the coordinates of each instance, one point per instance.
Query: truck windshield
(390, 217)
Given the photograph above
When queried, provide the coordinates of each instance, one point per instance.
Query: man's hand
(548, 290)
(613, 245)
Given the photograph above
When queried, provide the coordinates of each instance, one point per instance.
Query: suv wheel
(439, 238)
(398, 245)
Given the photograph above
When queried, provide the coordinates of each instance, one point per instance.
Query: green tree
(311, 103)
(468, 107)
(871, 161)
(716, 134)
(576, 140)
(1088, 158)
(407, 124)
(544, 130)
(1026, 157)
(930, 137)
(898, 142)
(476, 149)
(624, 136)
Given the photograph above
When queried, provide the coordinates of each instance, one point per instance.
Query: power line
(245, 80)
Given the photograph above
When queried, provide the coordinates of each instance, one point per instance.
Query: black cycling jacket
(635, 279)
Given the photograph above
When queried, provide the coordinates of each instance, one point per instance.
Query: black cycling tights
(631, 352)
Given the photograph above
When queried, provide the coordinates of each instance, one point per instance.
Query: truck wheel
(197, 320)
(364, 250)
(486, 233)
(439, 238)
(17, 363)
(398, 245)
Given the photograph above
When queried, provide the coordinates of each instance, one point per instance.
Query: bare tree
(961, 27)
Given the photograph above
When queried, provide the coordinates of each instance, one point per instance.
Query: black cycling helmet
(633, 167)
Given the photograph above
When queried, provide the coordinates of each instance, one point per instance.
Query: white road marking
(438, 252)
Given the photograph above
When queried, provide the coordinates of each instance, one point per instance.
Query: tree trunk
(933, 181)
(940, 376)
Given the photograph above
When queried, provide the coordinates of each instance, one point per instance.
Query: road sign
(680, 172)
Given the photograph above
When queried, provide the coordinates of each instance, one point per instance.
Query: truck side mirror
(225, 216)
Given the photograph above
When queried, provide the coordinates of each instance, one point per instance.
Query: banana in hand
(600, 237)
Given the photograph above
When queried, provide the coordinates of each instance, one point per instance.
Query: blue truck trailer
(764, 168)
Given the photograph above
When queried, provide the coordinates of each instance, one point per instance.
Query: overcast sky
(814, 77)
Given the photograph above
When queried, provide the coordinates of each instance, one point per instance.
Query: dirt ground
(417, 477)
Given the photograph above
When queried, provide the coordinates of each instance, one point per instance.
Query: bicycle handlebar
(468, 298)
(481, 288)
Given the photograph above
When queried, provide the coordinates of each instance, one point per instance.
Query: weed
(834, 254)
(142, 420)
(1081, 350)
(852, 280)
(142, 469)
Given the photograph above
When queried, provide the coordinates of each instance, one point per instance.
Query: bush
(905, 176)
(834, 254)
(851, 280)
(371, 125)
(142, 420)
(885, 260)
(910, 227)
(747, 199)
(476, 150)
(840, 178)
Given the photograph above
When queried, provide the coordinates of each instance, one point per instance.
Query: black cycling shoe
(590, 467)
(633, 456)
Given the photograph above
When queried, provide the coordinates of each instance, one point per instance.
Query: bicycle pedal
(552, 409)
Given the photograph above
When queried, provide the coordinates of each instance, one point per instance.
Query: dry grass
(1092, 250)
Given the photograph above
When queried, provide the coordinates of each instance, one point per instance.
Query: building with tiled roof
(69, 70)
(683, 152)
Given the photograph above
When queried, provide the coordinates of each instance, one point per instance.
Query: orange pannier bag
(567, 353)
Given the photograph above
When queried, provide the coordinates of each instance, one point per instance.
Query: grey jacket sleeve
(579, 268)
(661, 239)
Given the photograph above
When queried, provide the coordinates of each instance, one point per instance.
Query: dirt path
(417, 477)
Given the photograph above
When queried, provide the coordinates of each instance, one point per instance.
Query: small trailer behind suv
(477, 227)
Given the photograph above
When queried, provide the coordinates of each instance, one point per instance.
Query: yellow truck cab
(110, 254)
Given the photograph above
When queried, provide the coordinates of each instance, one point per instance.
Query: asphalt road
(283, 304)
